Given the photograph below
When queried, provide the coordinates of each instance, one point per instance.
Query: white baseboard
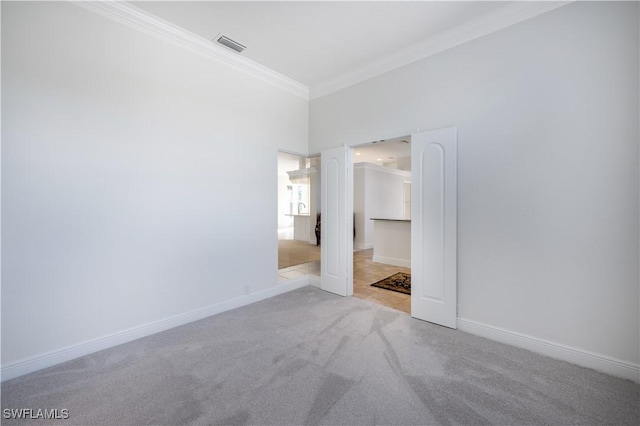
(50, 359)
(580, 357)
(392, 261)
(605, 364)
(314, 281)
(362, 246)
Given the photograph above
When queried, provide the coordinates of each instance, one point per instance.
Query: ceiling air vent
(231, 44)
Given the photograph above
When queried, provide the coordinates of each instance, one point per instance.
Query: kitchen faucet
(303, 206)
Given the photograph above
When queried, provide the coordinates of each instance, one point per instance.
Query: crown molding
(148, 23)
(476, 28)
(141, 20)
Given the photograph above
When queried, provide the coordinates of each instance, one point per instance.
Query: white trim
(314, 280)
(392, 261)
(481, 26)
(39, 362)
(146, 22)
(363, 246)
(605, 364)
(141, 20)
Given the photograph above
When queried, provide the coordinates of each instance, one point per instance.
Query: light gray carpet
(309, 357)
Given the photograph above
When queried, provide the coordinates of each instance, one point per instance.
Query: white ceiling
(317, 43)
(383, 152)
(287, 162)
(327, 45)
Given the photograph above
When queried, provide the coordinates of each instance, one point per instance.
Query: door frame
(349, 209)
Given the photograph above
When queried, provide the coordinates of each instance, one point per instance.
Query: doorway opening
(432, 233)
(382, 219)
(298, 209)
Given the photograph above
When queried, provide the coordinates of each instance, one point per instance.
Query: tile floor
(311, 268)
(365, 273)
(294, 252)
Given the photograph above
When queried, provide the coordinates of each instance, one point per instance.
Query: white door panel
(336, 240)
(434, 226)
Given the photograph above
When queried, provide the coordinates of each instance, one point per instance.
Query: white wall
(547, 116)
(314, 198)
(138, 178)
(359, 219)
(286, 162)
(404, 163)
(379, 193)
